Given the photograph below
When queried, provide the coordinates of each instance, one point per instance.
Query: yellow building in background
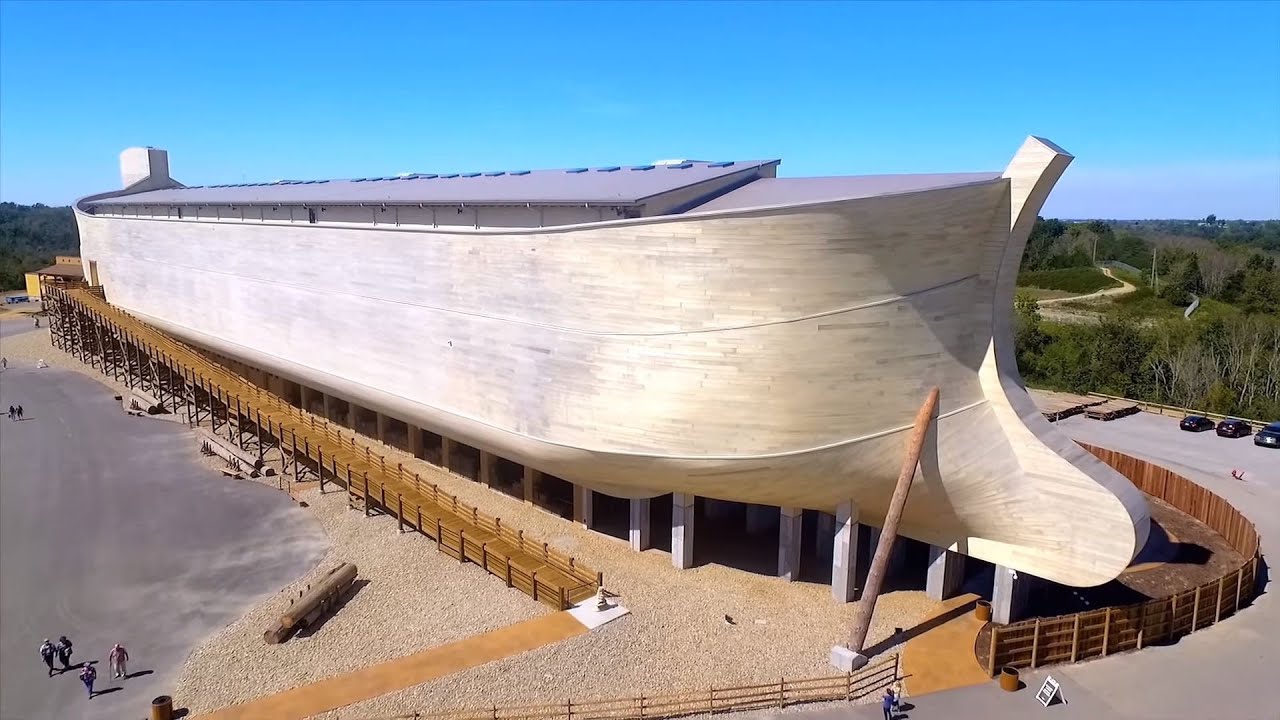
(64, 268)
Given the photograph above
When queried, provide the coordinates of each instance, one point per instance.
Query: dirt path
(1124, 289)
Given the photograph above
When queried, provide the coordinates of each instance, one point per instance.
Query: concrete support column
(446, 452)
(304, 396)
(528, 481)
(415, 441)
(682, 512)
(844, 553)
(327, 401)
(488, 468)
(584, 506)
(639, 533)
(760, 518)
(946, 573)
(790, 527)
(351, 415)
(1009, 595)
(381, 420)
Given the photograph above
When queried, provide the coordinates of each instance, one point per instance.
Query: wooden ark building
(638, 344)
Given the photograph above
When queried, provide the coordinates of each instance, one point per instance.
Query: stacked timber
(1112, 410)
(1058, 405)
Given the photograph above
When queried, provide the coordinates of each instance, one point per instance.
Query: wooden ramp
(207, 394)
(942, 657)
(388, 677)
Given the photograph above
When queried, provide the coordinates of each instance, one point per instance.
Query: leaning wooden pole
(880, 563)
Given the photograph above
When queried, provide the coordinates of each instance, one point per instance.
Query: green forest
(1225, 358)
(30, 237)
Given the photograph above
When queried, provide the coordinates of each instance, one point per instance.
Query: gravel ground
(675, 640)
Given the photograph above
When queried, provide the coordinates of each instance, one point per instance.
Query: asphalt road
(113, 532)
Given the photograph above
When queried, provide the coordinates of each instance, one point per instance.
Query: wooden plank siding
(460, 530)
(1097, 633)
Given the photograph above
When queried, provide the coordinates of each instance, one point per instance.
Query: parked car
(1234, 428)
(1268, 436)
(1196, 423)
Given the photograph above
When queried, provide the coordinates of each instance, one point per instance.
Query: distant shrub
(1081, 280)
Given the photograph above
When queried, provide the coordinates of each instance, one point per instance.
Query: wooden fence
(1175, 411)
(1097, 633)
(773, 695)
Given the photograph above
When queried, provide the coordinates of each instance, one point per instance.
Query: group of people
(118, 659)
(15, 413)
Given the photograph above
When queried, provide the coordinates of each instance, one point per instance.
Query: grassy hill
(1078, 280)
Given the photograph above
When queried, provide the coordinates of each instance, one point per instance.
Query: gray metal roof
(612, 185)
(768, 192)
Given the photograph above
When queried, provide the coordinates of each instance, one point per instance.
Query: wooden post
(437, 533)
(991, 652)
(889, 533)
(1142, 625)
(1075, 638)
(1239, 586)
(1195, 610)
(366, 494)
(1035, 643)
(1217, 608)
(399, 512)
(1173, 616)
(419, 525)
(320, 467)
(1106, 631)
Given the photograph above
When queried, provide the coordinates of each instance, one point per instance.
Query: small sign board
(1048, 691)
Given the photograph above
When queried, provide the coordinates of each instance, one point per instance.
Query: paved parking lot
(113, 532)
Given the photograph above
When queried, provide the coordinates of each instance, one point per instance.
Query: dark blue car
(1268, 436)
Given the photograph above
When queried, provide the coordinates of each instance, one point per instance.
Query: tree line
(1228, 364)
(30, 237)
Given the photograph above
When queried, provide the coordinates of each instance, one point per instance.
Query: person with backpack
(13, 412)
(63, 648)
(87, 675)
(118, 657)
(46, 653)
(19, 412)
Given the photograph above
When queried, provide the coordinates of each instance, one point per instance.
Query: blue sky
(1172, 109)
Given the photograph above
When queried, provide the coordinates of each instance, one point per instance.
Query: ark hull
(769, 355)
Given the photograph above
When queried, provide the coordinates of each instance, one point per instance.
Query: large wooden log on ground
(313, 603)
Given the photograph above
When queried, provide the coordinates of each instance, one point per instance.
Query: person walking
(4, 363)
(19, 412)
(118, 657)
(889, 701)
(63, 648)
(46, 653)
(13, 412)
(87, 675)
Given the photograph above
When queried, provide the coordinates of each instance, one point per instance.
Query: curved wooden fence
(1097, 633)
